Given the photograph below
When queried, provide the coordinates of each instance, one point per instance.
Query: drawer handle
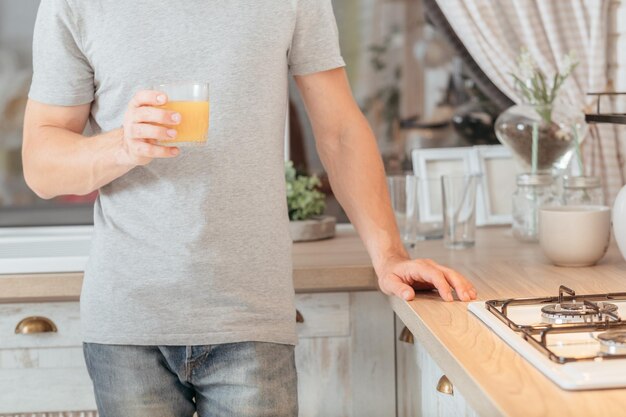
(35, 324)
(406, 336)
(444, 386)
(299, 317)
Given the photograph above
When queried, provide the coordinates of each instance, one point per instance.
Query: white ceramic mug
(574, 235)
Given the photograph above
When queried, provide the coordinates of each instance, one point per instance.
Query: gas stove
(578, 341)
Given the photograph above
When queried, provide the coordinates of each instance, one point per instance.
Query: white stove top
(575, 375)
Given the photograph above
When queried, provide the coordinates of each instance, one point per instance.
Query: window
(19, 206)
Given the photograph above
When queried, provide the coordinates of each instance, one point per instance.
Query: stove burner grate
(574, 312)
(564, 314)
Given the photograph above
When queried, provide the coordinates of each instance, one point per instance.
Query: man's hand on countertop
(401, 277)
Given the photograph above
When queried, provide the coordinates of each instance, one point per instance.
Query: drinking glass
(191, 100)
(431, 215)
(416, 203)
(459, 210)
(403, 190)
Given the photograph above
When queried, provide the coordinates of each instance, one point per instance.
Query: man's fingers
(433, 275)
(150, 150)
(464, 289)
(155, 115)
(148, 98)
(400, 289)
(148, 131)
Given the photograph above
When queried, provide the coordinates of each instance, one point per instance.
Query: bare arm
(59, 160)
(348, 150)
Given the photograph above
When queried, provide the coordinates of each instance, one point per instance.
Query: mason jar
(582, 191)
(533, 191)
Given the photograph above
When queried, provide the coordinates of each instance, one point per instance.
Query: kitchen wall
(16, 22)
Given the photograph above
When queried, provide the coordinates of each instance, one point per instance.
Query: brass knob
(406, 336)
(444, 386)
(35, 324)
(299, 317)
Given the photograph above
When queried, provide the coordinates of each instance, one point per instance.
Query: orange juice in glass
(191, 100)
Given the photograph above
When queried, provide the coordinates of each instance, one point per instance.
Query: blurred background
(411, 76)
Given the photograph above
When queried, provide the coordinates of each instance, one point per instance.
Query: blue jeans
(238, 379)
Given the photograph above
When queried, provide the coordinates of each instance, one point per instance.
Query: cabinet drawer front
(63, 357)
(65, 316)
(45, 390)
(324, 315)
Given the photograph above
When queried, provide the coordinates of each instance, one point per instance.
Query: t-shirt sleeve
(315, 42)
(62, 74)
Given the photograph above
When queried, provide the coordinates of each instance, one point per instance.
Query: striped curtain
(494, 31)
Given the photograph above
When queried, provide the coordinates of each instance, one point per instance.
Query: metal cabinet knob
(35, 324)
(406, 336)
(299, 317)
(444, 386)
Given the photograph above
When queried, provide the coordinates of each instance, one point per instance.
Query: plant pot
(316, 228)
(556, 137)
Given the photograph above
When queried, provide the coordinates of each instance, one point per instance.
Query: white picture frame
(431, 164)
(497, 184)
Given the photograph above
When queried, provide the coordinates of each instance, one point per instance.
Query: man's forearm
(348, 150)
(357, 177)
(59, 160)
(69, 163)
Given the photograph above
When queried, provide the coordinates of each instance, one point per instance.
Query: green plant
(537, 87)
(304, 200)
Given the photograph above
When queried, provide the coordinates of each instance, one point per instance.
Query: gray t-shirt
(194, 249)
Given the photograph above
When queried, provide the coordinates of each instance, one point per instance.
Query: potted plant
(541, 131)
(306, 204)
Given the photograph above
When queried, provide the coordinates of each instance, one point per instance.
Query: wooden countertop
(493, 378)
(338, 264)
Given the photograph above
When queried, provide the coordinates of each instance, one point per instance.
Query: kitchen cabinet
(345, 357)
(42, 369)
(418, 378)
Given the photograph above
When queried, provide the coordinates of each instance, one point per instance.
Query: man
(187, 302)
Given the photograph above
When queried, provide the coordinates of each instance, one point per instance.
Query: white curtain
(494, 31)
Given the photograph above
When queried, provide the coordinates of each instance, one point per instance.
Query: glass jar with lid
(533, 191)
(582, 191)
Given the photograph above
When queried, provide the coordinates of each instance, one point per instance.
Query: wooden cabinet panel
(373, 364)
(43, 390)
(324, 315)
(324, 377)
(64, 315)
(352, 374)
(42, 372)
(417, 378)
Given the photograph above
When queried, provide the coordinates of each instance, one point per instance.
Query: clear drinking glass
(431, 214)
(459, 210)
(403, 190)
(416, 203)
(191, 100)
